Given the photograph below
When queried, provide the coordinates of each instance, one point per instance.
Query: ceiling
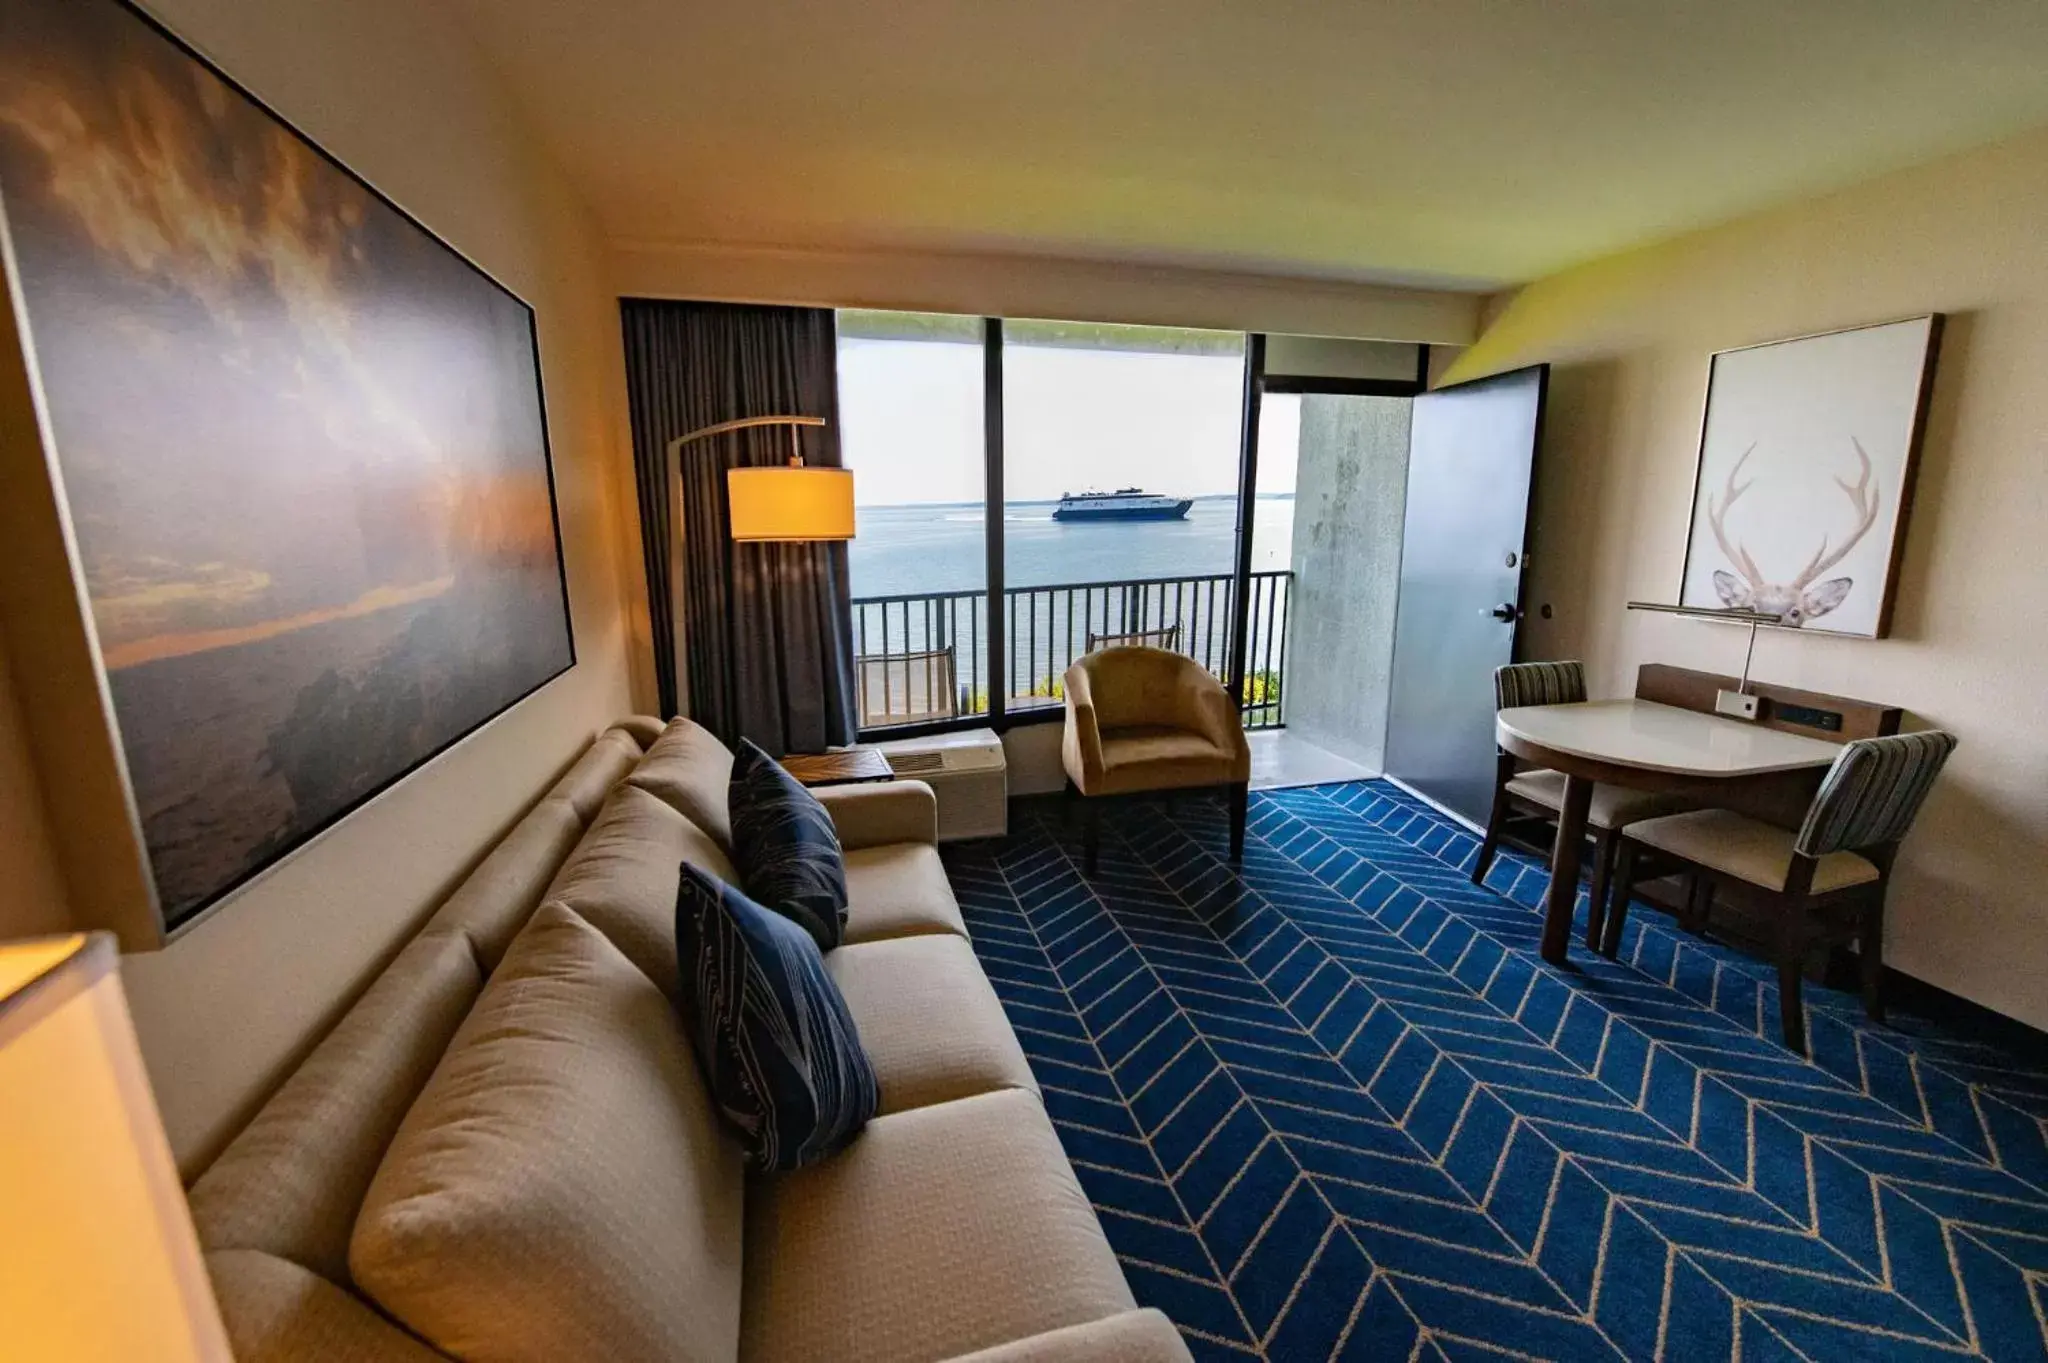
(1457, 143)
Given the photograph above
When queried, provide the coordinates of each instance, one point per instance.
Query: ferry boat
(1125, 504)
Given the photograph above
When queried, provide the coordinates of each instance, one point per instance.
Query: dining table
(1645, 745)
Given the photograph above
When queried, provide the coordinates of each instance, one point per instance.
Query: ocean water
(906, 550)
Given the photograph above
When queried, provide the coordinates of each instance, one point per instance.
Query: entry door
(1472, 453)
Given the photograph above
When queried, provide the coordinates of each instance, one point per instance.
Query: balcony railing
(924, 658)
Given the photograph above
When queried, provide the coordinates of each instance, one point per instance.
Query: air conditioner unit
(966, 772)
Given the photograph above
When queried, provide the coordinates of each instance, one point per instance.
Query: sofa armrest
(644, 729)
(877, 814)
(1142, 1336)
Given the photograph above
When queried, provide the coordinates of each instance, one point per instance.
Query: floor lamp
(792, 503)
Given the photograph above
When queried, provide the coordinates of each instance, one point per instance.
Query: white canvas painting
(1805, 465)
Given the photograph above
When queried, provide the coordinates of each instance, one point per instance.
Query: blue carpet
(1334, 1106)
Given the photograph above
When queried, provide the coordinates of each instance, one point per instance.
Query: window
(1120, 462)
(1118, 512)
(911, 427)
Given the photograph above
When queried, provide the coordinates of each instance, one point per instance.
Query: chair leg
(1489, 846)
(1870, 953)
(1605, 848)
(1699, 903)
(1240, 803)
(1624, 880)
(1791, 1015)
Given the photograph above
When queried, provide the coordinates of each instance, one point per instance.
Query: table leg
(1565, 858)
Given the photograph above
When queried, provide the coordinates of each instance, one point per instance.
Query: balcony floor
(1281, 759)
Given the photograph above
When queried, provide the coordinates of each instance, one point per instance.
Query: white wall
(1629, 338)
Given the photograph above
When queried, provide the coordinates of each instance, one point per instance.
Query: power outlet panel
(1736, 704)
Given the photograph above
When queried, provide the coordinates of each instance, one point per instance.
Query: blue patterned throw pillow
(779, 1050)
(785, 846)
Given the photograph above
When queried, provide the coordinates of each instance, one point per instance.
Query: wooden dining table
(1648, 746)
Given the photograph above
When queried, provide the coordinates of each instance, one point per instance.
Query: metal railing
(1045, 628)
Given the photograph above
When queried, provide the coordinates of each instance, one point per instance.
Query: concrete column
(1350, 486)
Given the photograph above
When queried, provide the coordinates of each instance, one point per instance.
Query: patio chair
(1166, 637)
(906, 688)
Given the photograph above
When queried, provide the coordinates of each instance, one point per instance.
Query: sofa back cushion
(688, 768)
(561, 1189)
(278, 1312)
(291, 1182)
(622, 878)
(503, 891)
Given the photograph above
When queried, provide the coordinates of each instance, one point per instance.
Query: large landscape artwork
(300, 438)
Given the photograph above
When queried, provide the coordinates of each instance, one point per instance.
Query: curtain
(766, 629)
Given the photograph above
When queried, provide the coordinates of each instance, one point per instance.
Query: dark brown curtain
(767, 628)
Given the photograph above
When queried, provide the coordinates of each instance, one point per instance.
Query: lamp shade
(98, 1261)
(794, 503)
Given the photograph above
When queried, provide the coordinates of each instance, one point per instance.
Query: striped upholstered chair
(1524, 802)
(1825, 882)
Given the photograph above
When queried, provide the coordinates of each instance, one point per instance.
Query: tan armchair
(1144, 719)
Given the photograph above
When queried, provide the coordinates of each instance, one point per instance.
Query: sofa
(504, 1149)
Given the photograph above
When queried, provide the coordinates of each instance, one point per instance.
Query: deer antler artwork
(1800, 599)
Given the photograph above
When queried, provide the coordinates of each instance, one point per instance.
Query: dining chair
(1537, 795)
(1828, 879)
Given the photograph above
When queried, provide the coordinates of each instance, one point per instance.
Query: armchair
(1143, 719)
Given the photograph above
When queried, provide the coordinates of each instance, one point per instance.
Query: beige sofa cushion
(561, 1189)
(290, 1183)
(505, 888)
(899, 891)
(939, 1231)
(278, 1312)
(929, 1020)
(1144, 1336)
(690, 769)
(622, 878)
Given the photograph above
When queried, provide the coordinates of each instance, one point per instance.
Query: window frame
(1257, 383)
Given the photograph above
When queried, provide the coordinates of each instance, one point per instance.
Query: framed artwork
(1806, 475)
(295, 441)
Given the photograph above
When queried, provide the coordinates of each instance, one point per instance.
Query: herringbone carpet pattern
(1333, 1106)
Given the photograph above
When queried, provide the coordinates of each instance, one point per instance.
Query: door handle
(1505, 612)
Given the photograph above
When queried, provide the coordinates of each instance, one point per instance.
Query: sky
(1075, 419)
